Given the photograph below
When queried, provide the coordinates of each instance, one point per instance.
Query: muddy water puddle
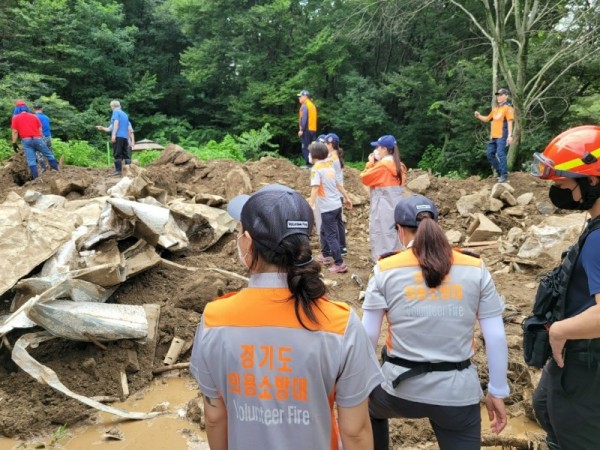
(172, 431)
(520, 427)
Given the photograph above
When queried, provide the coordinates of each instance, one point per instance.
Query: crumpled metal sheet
(29, 236)
(45, 375)
(78, 321)
(203, 224)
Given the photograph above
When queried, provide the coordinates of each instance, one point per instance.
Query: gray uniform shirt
(433, 325)
(278, 380)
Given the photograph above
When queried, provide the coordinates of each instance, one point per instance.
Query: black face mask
(563, 198)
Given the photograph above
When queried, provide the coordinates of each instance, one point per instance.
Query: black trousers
(455, 427)
(308, 137)
(567, 404)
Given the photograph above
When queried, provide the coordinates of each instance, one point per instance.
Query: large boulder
(237, 182)
(470, 204)
(552, 236)
(419, 184)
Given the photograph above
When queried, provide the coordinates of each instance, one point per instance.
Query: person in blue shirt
(566, 401)
(46, 133)
(119, 135)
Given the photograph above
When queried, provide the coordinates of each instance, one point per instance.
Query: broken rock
(517, 211)
(419, 184)
(525, 199)
(454, 236)
(469, 204)
(499, 188)
(237, 182)
(508, 198)
(485, 230)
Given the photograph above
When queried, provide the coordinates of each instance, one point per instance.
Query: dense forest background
(196, 71)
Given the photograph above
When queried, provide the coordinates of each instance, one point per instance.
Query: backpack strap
(569, 263)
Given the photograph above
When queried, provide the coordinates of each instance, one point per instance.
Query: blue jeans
(30, 146)
(496, 155)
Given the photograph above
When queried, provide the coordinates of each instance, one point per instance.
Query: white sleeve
(372, 320)
(497, 355)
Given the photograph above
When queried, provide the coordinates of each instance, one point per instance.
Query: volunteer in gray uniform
(272, 359)
(432, 297)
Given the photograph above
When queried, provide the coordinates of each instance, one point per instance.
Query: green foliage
(358, 165)
(228, 148)
(79, 153)
(146, 157)
(6, 150)
(253, 143)
(201, 72)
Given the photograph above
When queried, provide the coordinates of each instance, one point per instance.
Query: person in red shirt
(28, 127)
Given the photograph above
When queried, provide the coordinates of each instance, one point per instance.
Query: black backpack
(549, 305)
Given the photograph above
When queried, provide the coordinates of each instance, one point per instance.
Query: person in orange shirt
(501, 133)
(307, 122)
(384, 174)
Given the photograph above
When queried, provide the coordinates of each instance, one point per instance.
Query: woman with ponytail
(384, 174)
(432, 297)
(273, 358)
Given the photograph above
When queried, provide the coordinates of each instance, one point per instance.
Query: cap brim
(235, 206)
(375, 144)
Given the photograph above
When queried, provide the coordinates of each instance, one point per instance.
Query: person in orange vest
(307, 122)
(500, 134)
(384, 174)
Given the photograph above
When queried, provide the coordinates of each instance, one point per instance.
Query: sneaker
(115, 174)
(502, 179)
(326, 260)
(338, 268)
(344, 251)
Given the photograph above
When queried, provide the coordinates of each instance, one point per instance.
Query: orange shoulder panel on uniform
(229, 294)
(273, 307)
(462, 259)
(404, 258)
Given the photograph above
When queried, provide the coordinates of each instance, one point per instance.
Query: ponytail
(303, 274)
(432, 250)
(400, 167)
(340, 152)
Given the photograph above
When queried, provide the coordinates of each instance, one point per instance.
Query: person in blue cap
(336, 154)
(432, 296)
(384, 175)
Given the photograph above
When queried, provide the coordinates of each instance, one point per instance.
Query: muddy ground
(28, 408)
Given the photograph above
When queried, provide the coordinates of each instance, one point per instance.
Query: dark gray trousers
(455, 427)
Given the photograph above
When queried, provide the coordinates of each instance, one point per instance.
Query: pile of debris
(81, 251)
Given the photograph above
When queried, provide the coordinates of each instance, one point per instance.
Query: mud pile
(29, 407)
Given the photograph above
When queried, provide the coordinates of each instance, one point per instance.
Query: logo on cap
(297, 224)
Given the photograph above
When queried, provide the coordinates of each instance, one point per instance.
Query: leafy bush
(253, 143)
(80, 153)
(228, 148)
(146, 157)
(6, 150)
(358, 165)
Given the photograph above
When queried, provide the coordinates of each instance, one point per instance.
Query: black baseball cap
(502, 91)
(408, 208)
(272, 214)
